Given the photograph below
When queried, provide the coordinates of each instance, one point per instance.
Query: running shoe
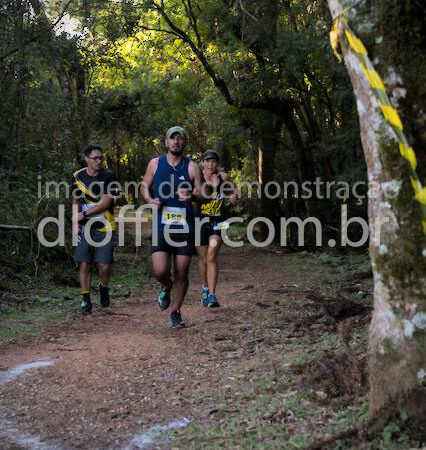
(204, 296)
(104, 294)
(86, 307)
(163, 299)
(176, 320)
(212, 301)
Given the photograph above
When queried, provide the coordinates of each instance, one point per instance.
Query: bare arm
(147, 181)
(228, 180)
(75, 213)
(195, 174)
(104, 203)
(185, 194)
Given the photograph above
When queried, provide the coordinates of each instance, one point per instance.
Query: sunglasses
(96, 158)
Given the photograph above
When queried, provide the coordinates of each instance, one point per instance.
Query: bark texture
(397, 332)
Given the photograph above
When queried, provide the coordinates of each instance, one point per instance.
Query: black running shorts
(177, 244)
(205, 233)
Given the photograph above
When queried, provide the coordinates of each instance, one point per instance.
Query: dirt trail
(120, 371)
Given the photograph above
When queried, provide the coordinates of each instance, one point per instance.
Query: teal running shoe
(163, 299)
(204, 296)
(212, 301)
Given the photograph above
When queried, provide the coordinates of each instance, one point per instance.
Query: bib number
(173, 216)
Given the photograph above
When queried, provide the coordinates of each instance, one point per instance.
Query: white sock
(204, 288)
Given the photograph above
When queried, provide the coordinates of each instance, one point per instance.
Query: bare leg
(85, 276)
(212, 265)
(104, 273)
(181, 282)
(161, 268)
(202, 253)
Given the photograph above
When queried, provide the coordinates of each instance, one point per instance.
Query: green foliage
(21, 252)
(29, 304)
(131, 69)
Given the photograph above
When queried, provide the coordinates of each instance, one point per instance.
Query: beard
(176, 152)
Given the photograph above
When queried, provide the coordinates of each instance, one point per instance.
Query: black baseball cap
(210, 154)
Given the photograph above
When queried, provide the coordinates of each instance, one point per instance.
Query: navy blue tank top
(167, 180)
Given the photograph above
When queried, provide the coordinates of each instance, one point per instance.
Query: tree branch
(14, 228)
(193, 21)
(245, 11)
(276, 105)
(38, 35)
(161, 30)
(218, 82)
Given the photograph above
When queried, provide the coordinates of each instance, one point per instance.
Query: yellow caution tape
(408, 153)
(374, 79)
(419, 191)
(355, 43)
(334, 38)
(389, 112)
(391, 115)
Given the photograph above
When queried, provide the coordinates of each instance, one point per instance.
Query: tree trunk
(82, 104)
(397, 350)
(304, 164)
(267, 132)
(225, 157)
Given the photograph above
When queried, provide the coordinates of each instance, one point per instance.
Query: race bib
(173, 216)
(221, 226)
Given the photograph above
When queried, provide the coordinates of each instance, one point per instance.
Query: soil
(122, 370)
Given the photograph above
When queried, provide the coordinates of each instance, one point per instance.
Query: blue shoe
(204, 296)
(176, 320)
(212, 301)
(163, 299)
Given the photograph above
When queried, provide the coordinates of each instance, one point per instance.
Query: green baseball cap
(174, 130)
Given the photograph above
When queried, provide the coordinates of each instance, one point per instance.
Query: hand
(77, 217)
(184, 195)
(155, 202)
(233, 199)
(75, 221)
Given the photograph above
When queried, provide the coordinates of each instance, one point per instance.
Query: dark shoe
(86, 307)
(176, 320)
(204, 296)
(104, 293)
(212, 301)
(163, 299)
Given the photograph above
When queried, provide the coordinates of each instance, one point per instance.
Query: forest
(303, 130)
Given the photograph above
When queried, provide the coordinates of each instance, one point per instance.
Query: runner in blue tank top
(170, 183)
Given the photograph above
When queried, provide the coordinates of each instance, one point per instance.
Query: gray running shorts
(85, 252)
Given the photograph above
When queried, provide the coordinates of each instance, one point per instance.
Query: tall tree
(266, 57)
(397, 350)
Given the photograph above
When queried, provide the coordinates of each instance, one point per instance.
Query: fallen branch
(14, 228)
